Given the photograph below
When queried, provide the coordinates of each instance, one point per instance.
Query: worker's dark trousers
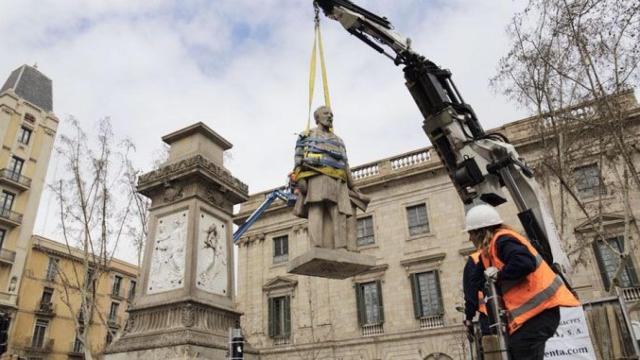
(527, 343)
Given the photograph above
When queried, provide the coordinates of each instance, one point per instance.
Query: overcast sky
(241, 67)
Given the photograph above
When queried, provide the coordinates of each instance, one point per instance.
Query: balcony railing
(432, 322)
(33, 346)
(113, 321)
(11, 217)
(281, 340)
(631, 293)
(46, 309)
(22, 182)
(371, 330)
(391, 165)
(7, 256)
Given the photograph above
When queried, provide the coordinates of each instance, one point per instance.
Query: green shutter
(603, 269)
(440, 305)
(415, 291)
(380, 305)
(360, 305)
(272, 323)
(287, 316)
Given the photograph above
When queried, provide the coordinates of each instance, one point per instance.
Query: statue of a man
(326, 194)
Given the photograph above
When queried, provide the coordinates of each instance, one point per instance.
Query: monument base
(183, 330)
(330, 263)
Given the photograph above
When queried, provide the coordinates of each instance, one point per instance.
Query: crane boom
(479, 164)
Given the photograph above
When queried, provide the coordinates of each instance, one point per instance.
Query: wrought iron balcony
(46, 309)
(40, 346)
(10, 218)
(14, 178)
(7, 256)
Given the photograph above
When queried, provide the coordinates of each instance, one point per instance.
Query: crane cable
(317, 50)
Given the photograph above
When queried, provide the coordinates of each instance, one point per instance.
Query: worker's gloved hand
(492, 273)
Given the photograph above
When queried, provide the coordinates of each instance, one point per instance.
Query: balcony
(7, 256)
(281, 340)
(432, 321)
(46, 309)
(32, 346)
(10, 218)
(77, 350)
(113, 322)
(372, 329)
(631, 294)
(14, 179)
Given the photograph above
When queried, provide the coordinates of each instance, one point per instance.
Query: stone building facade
(44, 324)
(405, 308)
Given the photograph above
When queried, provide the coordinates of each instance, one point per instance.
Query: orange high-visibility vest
(540, 290)
(482, 307)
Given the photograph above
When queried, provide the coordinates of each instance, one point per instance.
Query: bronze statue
(325, 189)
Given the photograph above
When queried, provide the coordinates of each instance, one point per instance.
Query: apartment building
(49, 307)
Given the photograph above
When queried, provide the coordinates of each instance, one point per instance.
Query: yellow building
(27, 131)
(45, 323)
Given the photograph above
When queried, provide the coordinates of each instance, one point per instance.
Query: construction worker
(531, 291)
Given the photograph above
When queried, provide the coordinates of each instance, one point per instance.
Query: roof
(31, 85)
(198, 127)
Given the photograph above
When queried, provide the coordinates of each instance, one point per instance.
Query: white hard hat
(481, 216)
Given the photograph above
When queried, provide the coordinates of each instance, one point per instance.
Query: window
(427, 297)
(47, 296)
(109, 337)
(78, 346)
(6, 201)
(117, 281)
(279, 317)
(89, 277)
(15, 167)
(369, 303)
(3, 232)
(52, 269)
(132, 290)
(588, 181)
(417, 219)
(113, 312)
(39, 331)
(280, 249)
(24, 135)
(30, 118)
(365, 231)
(608, 262)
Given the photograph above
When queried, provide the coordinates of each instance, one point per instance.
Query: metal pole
(495, 304)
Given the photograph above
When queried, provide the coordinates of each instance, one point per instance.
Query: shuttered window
(608, 262)
(280, 249)
(365, 231)
(280, 317)
(427, 295)
(369, 303)
(417, 219)
(588, 181)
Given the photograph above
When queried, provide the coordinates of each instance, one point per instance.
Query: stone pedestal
(186, 304)
(329, 263)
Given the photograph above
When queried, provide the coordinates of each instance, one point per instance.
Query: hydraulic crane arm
(479, 164)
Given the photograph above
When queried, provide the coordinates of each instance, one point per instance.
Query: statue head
(324, 117)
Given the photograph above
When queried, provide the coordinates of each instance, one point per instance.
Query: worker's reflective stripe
(538, 298)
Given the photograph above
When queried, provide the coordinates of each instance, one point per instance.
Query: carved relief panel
(168, 255)
(212, 270)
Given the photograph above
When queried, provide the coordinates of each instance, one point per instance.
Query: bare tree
(96, 206)
(573, 63)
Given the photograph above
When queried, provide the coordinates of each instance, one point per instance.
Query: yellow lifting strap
(317, 44)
